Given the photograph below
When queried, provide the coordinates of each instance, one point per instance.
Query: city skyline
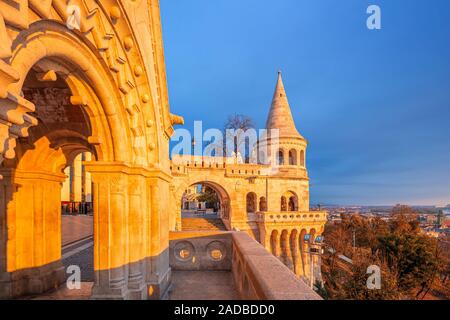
(372, 103)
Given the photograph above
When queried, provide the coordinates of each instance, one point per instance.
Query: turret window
(302, 158)
(280, 157)
(293, 157)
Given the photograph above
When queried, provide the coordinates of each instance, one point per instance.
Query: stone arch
(86, 75)
(223, 193)
(118, 139)
(293, 157)
(291, 201)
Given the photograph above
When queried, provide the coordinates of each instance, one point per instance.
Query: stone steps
(202, 224)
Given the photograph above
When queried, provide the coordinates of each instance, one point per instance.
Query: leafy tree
(414, 257)
(210, 197)
(411, 262)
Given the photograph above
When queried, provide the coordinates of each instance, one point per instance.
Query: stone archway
(109, 127)
(224, 212)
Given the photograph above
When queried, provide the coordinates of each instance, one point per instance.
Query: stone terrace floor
(76, 227)
(202, 285)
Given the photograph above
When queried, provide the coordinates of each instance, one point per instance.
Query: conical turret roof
(280, 116)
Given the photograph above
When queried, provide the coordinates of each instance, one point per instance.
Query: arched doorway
(60, 136)
(289, 201)
(208, 206)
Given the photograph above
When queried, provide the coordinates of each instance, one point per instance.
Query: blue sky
(374, 105)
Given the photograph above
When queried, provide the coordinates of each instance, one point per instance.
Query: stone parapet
(259, 275)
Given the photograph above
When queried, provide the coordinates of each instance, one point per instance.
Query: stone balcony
(230, 265)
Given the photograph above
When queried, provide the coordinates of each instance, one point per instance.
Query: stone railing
(292, 216)
(257, 274)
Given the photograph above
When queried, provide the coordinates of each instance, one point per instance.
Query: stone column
(289, 257)
(296, 256)
(136, 236)
(283, 244)
(6, 192)
(158, 272)
(110, 230)
(307, 261)
(304, 249)
(278, 247)
(30, 226)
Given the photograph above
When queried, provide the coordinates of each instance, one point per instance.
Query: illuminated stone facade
(98, 85)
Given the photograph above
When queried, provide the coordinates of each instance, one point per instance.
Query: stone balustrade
(257, 274)
(291, 216)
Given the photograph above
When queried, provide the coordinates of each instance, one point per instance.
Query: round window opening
(184, 251)
(185, 254)
(216, 254)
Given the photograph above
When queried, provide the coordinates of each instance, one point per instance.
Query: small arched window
(293, 157)
(293, 203)
(251, 202)
(280, 159)
(302, 158)
(262, 204)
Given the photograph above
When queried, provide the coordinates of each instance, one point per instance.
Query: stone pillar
(158, 272)
(77, 182)
(304, 255)
(88, 179)
(296, 255)
(286, 255)
(288, 249)
(137, 211)
(65, 192)
(30, 226)
(307, 262)
(123, 230)
(110, 230)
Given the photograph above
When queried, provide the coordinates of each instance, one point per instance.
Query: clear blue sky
(374, 105)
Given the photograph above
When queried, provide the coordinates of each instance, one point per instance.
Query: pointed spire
(280, 116)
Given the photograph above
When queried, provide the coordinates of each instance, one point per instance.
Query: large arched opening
(205, 205)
